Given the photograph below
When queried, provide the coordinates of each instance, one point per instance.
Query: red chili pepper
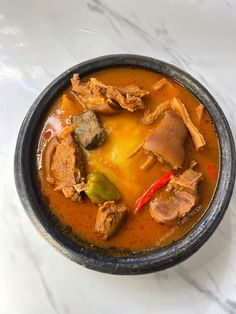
(211, 171)
(152, 190)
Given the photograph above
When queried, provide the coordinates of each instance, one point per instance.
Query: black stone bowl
(111, 260)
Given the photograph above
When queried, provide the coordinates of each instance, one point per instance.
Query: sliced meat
(67, 167)
(109, 218)
(197, 137)
(180, 200)
(163, 212)
(47, 157)
(63, 165)
(107, 99)
(88, 130)
(185, 201)
(167, 140)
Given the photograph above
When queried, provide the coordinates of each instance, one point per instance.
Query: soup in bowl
(125, 168)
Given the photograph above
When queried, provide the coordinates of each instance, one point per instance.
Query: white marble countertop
(38, 41)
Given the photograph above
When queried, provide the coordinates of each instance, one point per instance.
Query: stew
(129, 159)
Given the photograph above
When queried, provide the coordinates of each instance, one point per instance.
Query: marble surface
(38, 41)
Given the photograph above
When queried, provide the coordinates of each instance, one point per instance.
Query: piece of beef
(106, 99)
(88, 130)
(67, 167)
(109, 218)
(179, 200)
(167, 140)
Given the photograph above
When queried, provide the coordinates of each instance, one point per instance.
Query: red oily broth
(125, 131)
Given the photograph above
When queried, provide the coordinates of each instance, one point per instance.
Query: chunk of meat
(163, 212)
(188, 180)
(91, 95)
(108, 99)
(65, 167)
(126, 101)
(167, 140)
(109, 218)
(88, 130)
(150, 117)
(179, 201)
(197, 137)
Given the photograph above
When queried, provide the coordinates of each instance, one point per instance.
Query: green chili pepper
(100, 189)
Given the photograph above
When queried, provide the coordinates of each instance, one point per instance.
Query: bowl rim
(155, 260)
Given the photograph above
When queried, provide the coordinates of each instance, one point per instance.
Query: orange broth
(125, 131)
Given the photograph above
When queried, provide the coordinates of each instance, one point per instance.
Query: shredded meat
(109, 218)
(151, 116)
(105, 99)
(197, 137)
(167, 140)
(67, 166)
(179, 199)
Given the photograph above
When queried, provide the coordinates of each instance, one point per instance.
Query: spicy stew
(97, 181)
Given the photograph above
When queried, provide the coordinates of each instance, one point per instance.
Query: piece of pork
(88, 130)
(188, 180)
(179, 200)
(197, 137)
(167, 140)
(110, 217)
(106, 99)
(67, 167)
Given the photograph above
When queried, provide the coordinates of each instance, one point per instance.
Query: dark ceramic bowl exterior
(112, 261)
